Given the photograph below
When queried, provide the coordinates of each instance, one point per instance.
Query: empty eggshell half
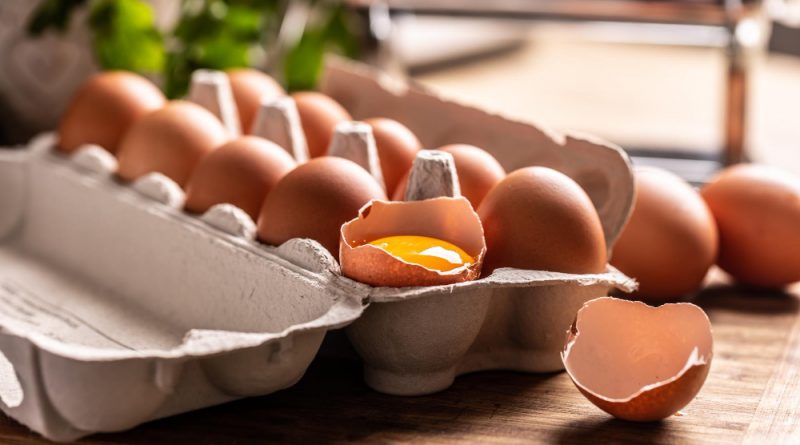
(638, 362)
(448, 219)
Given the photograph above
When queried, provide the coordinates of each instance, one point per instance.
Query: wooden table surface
(752, 396)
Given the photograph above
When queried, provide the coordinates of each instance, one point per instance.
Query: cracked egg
(638, 362)
(417, 243)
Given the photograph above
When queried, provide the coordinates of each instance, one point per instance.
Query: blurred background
(686, 84)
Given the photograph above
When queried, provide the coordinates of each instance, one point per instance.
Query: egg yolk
(429, 252)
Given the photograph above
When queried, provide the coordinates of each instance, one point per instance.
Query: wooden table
(752, 396)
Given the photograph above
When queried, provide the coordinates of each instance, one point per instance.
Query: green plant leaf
(304, 62)
(216, 34)
(125, 36)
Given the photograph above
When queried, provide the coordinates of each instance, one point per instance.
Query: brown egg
(638, 362)
(314, 200)
(319, 115)
(418, 243)
(249, 87)
(241, 172)
(170, 141)
(397, 148)
(670, 241)
(757, 209)
(104, 108)
(540, 219)
(478, 172)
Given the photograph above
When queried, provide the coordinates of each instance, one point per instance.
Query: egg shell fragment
(638, 362)
(448, 219)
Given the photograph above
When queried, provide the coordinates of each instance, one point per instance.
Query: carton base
(419, 345)
(409, 384)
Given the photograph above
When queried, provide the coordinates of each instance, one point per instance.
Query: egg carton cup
(116, 307)
(417, 340)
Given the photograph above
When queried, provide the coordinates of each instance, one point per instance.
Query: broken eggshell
(448, 219)
(638, 362)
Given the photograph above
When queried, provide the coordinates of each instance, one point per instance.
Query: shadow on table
(331, 404)
(615, 431)
(747, 299)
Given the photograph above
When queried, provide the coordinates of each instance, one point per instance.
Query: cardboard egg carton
(417, 340)
(119, 308)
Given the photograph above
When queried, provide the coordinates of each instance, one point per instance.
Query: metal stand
(744, 22)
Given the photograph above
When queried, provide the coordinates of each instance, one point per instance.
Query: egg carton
(417, 340)
(119, 308)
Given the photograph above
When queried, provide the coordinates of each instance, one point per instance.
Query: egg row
(534, 218)
(745, 220)
(108, 104)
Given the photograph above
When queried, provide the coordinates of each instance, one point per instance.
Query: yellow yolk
(429, 252)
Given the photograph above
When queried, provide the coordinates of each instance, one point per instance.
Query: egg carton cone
(116, 307)
(417, 340)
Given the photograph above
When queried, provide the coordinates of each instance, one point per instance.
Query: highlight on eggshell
(757, 210)
(171, 141)
(397, 148)
(240, 172)
(638, 362)
(670, 240)
(540, 219)
(104, 108)
(418, 243)
(314, 200)
(319, 115)
(250, 87)
(478, 173)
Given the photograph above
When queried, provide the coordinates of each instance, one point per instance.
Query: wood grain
(751, 396)
(777, 418)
